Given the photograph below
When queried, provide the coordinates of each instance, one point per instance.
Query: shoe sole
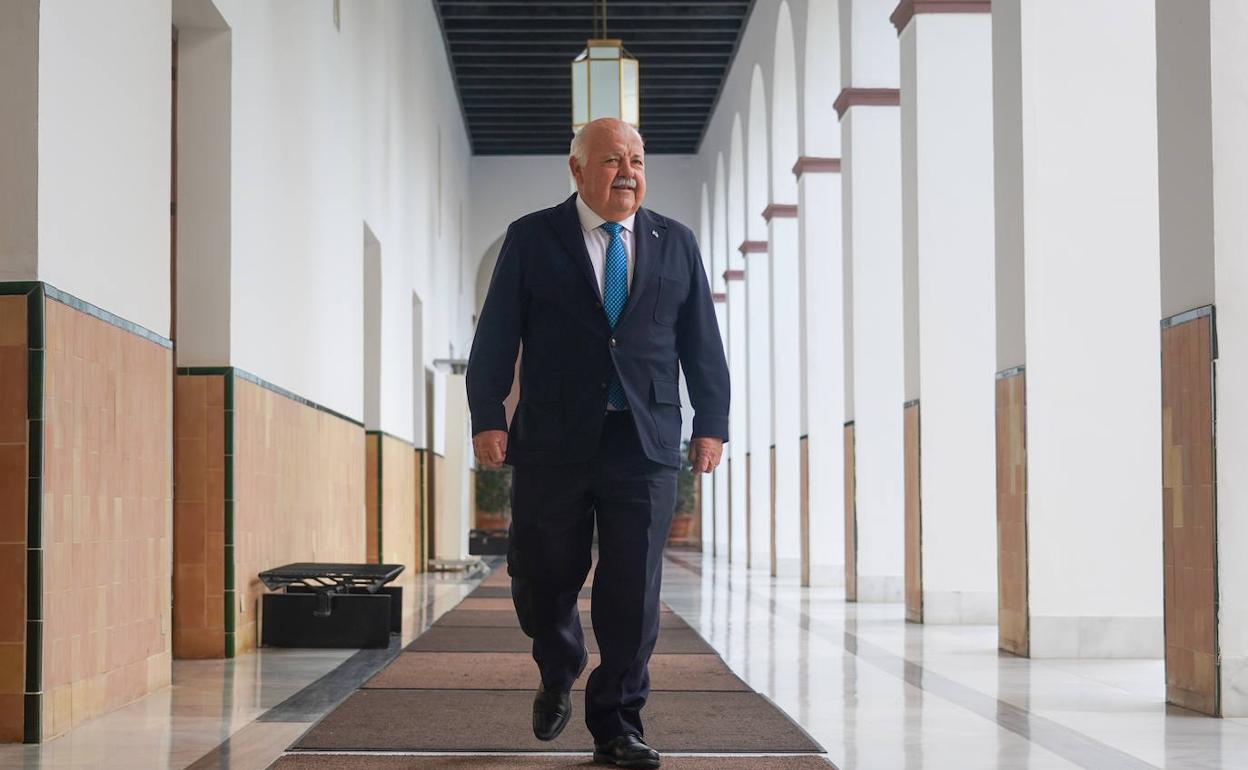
(636, 764)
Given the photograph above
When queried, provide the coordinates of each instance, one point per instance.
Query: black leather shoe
(627, 750)
(551, 709)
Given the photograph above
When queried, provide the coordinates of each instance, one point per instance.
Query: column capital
(780, 211)
(808, 164)
(869, 97)
(753, 247)
(719, 296)
(734, 275)
(908, 9)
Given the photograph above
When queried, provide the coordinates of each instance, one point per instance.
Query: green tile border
(243, 374)
(381, 436)
(81, 305)
(423, 492)
(228, 513)
(32, 701)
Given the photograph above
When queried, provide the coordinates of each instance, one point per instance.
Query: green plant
(685, 482)
(494, 489)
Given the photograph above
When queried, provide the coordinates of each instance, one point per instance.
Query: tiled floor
(875, 691)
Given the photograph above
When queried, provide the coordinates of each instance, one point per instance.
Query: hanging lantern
(605, 81)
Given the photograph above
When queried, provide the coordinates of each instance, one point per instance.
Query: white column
(1202, 119)
(451, 528)
(786, 386)
(1229, 25)
(871, 176)
(1089, 207)
(734, 539)
(758, 385)
(719, 482)
(821, 292)
(947, 182)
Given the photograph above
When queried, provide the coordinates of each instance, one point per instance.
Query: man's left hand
(704, 454)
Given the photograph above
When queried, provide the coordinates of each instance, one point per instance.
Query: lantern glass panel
(604, 88)
(580, 92)
(604, 52)
(629, 92)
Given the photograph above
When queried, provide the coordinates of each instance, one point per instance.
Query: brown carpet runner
(503, 762)
(498, 720)
(496, 619)
(514, 671)
(466, 685)
(673, 641)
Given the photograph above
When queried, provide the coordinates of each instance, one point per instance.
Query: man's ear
(575, 168)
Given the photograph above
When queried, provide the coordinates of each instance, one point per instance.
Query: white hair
(579, 151)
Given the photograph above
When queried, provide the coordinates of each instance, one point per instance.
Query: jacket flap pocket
(666, 393)
(540, 389)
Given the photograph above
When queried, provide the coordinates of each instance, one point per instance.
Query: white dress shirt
(596, 240)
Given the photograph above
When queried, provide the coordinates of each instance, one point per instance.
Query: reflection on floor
(875, 691)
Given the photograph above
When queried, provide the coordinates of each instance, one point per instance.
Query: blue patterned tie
(614, 295)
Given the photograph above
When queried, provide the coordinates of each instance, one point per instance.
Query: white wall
(19, 125)
(330, 129)
(104, 155)
(203, 184)
(504, 188)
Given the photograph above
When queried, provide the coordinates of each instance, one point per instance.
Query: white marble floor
(880, 693)
(875, 691)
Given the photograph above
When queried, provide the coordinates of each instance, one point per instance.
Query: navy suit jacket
(545, 296)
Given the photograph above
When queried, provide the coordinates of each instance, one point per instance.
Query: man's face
(612, 181)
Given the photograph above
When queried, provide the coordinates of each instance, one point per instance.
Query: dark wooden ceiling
(511, 63)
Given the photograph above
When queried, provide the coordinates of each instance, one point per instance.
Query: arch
(736, 193)
(485, 271)
(704, 229)
(784, 117)
(821, 80)
(757, 184)
(719, 223)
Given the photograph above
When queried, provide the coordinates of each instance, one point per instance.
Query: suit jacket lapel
(645, 255)
(568, 226)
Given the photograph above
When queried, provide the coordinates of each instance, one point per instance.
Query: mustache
(624, 184)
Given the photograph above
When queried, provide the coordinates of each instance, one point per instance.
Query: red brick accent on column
(1013, 611)
(719, 296)
(908, 9)
(913, 537)
(810, 165)
(780, 211)
(1189, 510)
(753, 247)
(869, 97)
(734, 275)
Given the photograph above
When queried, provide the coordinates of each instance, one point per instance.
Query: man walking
(610, 302)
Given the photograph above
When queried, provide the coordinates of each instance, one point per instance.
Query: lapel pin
(655, 233)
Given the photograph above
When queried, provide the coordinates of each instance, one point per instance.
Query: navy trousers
(553, 512)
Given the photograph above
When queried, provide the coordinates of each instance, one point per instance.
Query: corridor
(874, 691)
(914, 326)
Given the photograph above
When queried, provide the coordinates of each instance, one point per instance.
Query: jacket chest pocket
(670, 296)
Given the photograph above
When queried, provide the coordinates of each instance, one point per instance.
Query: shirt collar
(590, 221)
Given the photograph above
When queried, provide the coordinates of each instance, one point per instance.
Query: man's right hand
(490, 446)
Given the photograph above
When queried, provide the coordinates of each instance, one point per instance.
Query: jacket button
(613, 342)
